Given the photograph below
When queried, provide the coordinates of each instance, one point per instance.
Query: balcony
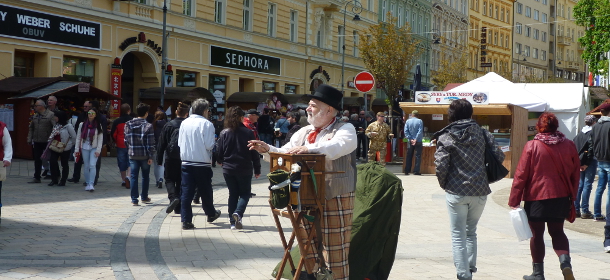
(572, 65)
(580, 47)
(564, 40)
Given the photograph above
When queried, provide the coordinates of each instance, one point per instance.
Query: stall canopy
(176, 93)
(66, 88)
(503, 91)
(568, 101)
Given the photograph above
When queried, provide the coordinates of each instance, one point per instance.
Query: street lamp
(356, 9)
(164, 52)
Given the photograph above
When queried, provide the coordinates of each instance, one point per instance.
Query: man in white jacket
(196, 141)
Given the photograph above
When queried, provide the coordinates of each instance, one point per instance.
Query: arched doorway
(140, 72)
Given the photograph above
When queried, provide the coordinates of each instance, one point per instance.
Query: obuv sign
(37, 26)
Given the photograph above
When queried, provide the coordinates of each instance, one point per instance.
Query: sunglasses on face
(91, 113)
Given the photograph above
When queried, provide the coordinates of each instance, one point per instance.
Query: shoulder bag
(572, 214)
(56, 145)
(495, 170)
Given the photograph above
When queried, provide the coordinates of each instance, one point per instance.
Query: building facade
(531, 40)
(568, 66)
(286, 46)
(449, 31)
(490, 37)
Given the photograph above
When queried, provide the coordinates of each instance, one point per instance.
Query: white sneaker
(237, 219)
(607, 249)
(233, 227)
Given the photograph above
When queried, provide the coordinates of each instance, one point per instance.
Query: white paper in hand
(520, 224)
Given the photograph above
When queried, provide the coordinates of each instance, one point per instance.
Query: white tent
(504, 91)
(568, 101)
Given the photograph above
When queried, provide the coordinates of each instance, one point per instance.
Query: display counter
(506, 122)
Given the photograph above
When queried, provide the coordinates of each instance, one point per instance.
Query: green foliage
(593, 14)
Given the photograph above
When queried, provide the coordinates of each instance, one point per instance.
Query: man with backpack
(168, 146)
(118, 136)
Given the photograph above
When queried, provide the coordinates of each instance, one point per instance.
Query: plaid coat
(140, 139)
(460, 158)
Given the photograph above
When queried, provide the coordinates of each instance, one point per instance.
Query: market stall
(507, 122)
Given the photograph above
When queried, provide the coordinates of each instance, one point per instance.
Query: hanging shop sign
(446, 97)
(115, 89)
(230, 58)
(44, 27)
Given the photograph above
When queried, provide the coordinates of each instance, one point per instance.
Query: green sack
(280, 198)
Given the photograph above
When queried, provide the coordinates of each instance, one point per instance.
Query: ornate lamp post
(164, 52)
(356, 9)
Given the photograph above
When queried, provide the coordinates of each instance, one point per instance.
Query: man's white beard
(317, 120)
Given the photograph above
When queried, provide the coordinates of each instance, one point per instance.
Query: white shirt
(8, 145)
(196, 141)
(343, 143)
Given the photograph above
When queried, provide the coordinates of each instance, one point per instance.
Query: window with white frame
(535, 53)
(506, 40)
(519, 8)
(502, 15)
(399, 16)
(536, 34)
(544, 17)
(187, 8)
(518, 48)
(294, 19)
(543, 36)
(528, 31)
(528, 12)
(384, 9)
(496, 16)
(507, 16)
(536, 15)
(420, 24)
(484, 8)
(501, 40)
(543, 55)
(219, 11)
(518, 28)
(356, 41)
(392, 8)
(544, 2)
(526, 51)
(491, 10)
(271, 19)
(341, 39)
(407, 17)
(321, 35)
(247, 15)
(370, 5)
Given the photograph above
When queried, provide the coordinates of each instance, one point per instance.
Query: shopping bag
(522, 228)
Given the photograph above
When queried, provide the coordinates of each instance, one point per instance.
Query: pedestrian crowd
(554, 176)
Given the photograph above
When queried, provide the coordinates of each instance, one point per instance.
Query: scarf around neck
(89, 129)
(550, 138)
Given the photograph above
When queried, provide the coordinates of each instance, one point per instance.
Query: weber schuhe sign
(230, 58)
(36, 26)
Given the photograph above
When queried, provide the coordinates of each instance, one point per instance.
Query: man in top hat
(414, 133)
(600, 136)
(337, 140)
(378, 132)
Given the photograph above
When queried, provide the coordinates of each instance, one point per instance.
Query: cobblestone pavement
(68, 233)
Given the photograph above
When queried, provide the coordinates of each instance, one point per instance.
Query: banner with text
(446, 97)
(115, 89)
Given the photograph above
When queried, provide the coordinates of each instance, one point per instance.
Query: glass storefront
(186, 79)
(79, 69)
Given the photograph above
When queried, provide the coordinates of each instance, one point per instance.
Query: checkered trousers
(337, 232)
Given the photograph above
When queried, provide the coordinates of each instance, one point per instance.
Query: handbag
(522, 228)
(495, 170)
(57, 146)
(572, 214)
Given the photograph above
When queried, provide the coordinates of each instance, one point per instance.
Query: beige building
(531, 40)
(490, 37)
(449, 31)
(568, 63)
(286, 46)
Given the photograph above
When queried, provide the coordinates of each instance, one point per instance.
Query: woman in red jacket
(547, 180)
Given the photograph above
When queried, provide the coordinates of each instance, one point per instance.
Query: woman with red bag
(547, 180)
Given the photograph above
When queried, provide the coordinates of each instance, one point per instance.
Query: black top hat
(253, 112)
(328, 95)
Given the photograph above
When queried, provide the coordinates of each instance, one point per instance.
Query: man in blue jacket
(414, 133)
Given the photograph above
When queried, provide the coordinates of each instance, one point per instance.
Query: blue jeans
(603, 174)
(417, 148)
(266, 137)
(136, 165)
(89, 161)
(464, 215)
(122, 158)
(196, 178)
(584, 187)
(240, 188)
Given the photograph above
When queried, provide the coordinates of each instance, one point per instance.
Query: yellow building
(490, 37)
(286, 46)
(568, 63)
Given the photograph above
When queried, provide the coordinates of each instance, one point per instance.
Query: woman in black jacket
(238, 163)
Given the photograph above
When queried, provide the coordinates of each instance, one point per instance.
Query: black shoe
(172, 206)
(586, 215)
(45, 173)
(52, 184)
(72, 180)
(47, 177)
(177, 211)
(160, 184)
(123, 184)
(34, 181)
(187, 225)
(416, 173)
(61, 184)
(577, 214)
(406, 173)
(252, 194)
(211, 219)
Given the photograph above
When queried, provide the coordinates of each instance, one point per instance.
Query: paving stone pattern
(68, 233)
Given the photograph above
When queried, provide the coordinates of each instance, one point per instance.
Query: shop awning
(491, 109)
(177, 93)
(20, 85)
(66, 88)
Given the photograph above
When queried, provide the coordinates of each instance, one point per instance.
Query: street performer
(337, 140)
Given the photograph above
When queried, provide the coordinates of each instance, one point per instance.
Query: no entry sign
(364, 81)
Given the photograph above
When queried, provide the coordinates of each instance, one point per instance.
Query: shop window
(269, 87)
(187, 7)
(186, 79)
(218, 87)
(290, 89)
(24, 64)
(79, 69)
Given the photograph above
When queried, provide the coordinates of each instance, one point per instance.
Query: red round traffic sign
(364, 81)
